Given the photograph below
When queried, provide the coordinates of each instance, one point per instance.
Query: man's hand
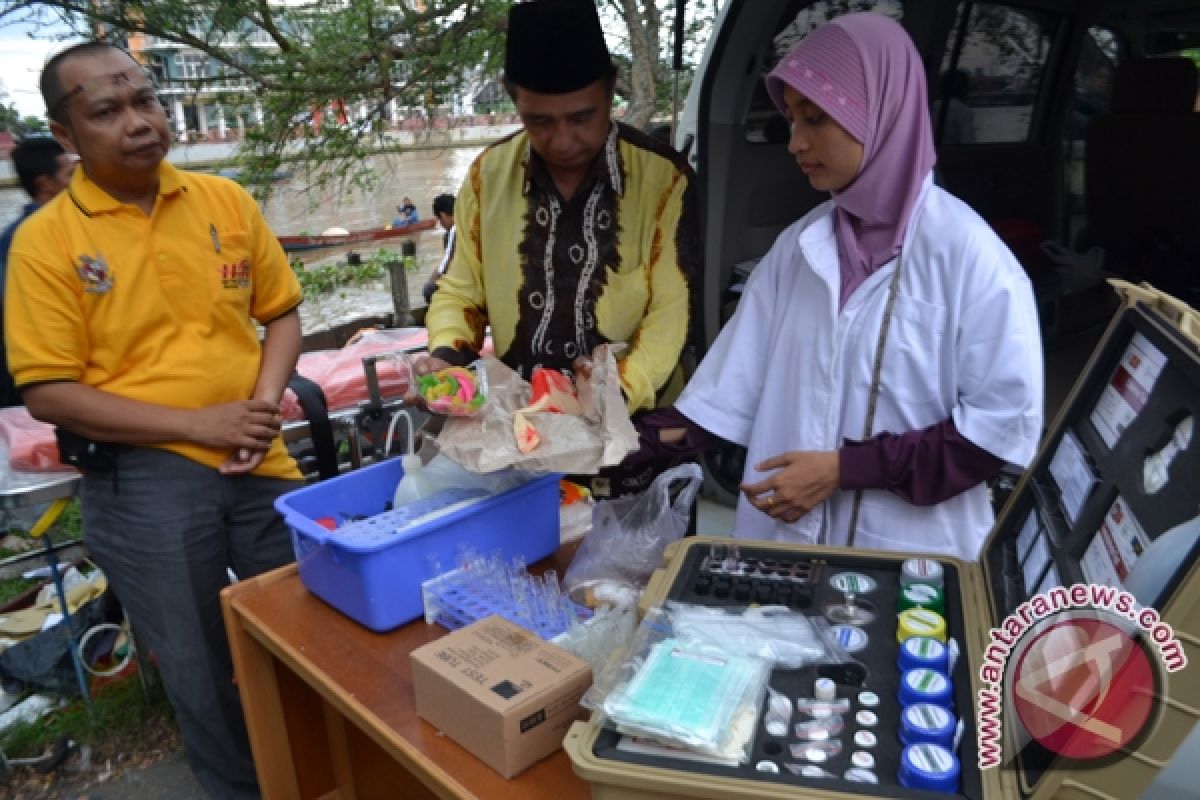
(242, 461)
(804, 481)
(246, 425)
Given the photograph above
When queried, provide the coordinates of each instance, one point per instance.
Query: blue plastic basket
(379, 583)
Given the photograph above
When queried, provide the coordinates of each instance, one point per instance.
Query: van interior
(1071, 126)
(1067, 124)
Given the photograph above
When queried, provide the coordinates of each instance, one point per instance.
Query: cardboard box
(500, 691)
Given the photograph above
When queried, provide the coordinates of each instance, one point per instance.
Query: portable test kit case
(978, 597)
(379, 584)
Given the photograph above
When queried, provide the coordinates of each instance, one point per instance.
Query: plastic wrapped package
(682, 691)
(454, 391)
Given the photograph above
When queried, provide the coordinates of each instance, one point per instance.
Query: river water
(295, 207)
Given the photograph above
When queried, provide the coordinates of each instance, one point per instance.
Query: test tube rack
(480, 587)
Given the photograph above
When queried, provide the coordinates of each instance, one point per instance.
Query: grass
(126, 724)
(122, 714)
(67, 528)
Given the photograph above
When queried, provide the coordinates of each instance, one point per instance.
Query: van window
(1102, 50)
(1098, 59)
(762, 122)
(990, 73)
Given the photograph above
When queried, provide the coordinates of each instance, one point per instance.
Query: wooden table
(330, 706)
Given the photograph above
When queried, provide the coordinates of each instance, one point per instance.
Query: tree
(12, 122)
(645, 51)
(300, 59)
(10, 118)
(33, 125)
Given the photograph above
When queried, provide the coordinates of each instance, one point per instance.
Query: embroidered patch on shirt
(94, 274)
(236, 276)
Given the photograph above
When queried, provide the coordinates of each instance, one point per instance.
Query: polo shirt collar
(91, 199)
(607, 166)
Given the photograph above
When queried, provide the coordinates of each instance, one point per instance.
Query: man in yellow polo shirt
(131, 307)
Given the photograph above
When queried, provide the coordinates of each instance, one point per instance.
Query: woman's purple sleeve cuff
(651, 447)
(925, 467)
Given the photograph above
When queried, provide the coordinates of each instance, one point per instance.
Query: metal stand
(68, 618)
(55, 488)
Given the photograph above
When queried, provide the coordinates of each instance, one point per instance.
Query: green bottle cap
(922, 595)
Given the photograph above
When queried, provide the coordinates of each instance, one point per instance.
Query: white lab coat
(791, 372)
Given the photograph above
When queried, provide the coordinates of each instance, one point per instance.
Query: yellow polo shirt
(159, 309)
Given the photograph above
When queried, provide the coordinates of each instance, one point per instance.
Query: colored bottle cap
(825, 690)
(922, 570)
(922, 595)
(925, 722)
(926, 686)
(929, 767)
(852, 638)
(920, 622)
(921, 651)
(853, 582)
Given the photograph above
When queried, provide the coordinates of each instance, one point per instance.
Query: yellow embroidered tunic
(555, 277)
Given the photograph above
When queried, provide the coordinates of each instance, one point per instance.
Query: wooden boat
(294, 244)
(235, 174)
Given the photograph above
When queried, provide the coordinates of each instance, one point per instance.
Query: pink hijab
(863, 70)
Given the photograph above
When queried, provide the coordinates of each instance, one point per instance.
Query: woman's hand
(804, 480)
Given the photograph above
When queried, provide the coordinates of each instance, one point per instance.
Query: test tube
(463, 554)
(433, 564)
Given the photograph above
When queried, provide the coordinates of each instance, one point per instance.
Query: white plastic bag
(629, 534)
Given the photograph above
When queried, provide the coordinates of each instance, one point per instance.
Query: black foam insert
(874, 669)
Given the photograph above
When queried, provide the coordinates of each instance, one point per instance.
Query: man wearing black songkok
(575, 231)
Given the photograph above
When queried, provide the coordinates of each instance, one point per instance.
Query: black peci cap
(555, 46)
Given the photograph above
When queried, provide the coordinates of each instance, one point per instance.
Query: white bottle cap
(860, 775)
(865, 739)
(825, 690)
(922, 570)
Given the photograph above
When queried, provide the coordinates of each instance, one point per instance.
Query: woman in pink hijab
(885, 359)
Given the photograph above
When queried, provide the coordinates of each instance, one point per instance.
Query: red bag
(340, 373)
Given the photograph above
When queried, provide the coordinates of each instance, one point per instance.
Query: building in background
(204, 98)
